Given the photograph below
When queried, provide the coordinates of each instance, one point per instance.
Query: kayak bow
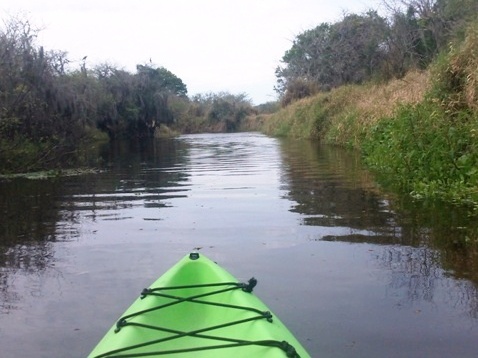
(197, 309)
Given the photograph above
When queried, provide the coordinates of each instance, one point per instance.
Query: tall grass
(343, 115)
(302, 119)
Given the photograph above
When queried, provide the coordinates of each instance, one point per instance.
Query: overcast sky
(212, 45)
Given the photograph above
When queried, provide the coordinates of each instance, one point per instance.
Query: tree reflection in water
(422, 243)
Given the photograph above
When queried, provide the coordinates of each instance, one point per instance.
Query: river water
(352, 271)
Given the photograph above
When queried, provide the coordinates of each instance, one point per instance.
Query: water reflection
(38, 213)
(422, 244)
(27, 228)
(362, 257)
(331, 189)
(138, 175)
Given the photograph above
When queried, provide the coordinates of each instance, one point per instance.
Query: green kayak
(197, 309)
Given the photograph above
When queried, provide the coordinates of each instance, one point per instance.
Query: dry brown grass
(347, 112)
(380, 100)
(358, 107)
(462, 70)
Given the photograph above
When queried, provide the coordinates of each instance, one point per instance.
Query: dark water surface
(351, 271)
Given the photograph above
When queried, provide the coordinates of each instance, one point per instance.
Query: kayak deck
(197, 309)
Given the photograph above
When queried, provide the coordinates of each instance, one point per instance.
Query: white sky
(212, 45)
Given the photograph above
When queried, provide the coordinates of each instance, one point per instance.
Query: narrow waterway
(352, 272)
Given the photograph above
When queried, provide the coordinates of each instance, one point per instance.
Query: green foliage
(331, 55)
(455, 79)
(41, 121)
(423, 151)
(347, 130)
(268, 107)
(23, 154)
(215, 112)
(48, 111)
(136, 105)
(297, 89)
(307, 118)
(162, 80)
(365, 47)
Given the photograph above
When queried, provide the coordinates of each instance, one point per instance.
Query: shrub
(298, 89)
(423, 151)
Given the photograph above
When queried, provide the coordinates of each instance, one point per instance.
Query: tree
(228, 110)
(41, 120)
(153, 89)
(420, 29)
(357, 47)
(216, 112)
(330, 55)
(307, 60)
(161, 80)
(362, 47)
(403, 45)
(135, 105)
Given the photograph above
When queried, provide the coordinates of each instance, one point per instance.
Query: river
(351, 270)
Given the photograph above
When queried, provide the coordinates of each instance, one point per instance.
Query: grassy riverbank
(344, 115)
(418, 132)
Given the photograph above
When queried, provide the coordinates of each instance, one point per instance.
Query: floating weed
(48, 174)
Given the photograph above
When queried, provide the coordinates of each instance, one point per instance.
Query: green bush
(426, 152)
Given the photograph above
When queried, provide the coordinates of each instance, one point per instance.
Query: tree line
(51, 107)
(366, 47)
